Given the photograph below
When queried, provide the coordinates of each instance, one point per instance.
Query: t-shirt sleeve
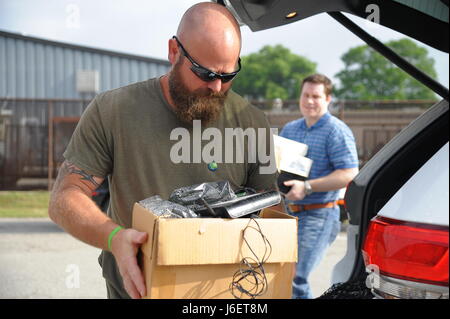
(342, 149)
(263, 174)
(90, 146)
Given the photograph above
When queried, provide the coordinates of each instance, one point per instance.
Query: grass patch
(24, 203)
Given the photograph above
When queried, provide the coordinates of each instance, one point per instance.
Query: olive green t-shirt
(131, 135)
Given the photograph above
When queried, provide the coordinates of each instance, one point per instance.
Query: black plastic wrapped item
(242, 206)
(286, 176)
(166, 208)
(195, 196)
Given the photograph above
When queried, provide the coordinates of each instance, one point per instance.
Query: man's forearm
(334, 181)
(77, 214)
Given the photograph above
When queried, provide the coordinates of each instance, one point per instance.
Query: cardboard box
(193, 258)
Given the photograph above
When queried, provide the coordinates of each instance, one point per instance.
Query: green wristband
(112, 234)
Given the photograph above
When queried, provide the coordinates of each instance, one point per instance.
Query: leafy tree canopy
(273, 72)
(367, 75)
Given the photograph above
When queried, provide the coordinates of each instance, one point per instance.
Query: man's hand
(297, 191)
(124, 246)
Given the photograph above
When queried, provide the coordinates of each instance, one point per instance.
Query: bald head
(208, 40)
(212, 25)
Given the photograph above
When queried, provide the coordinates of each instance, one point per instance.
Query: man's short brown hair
(319, 79)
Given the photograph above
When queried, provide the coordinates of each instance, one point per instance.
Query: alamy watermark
(373, 277)
(72, 16)
(373, 19)
(230, 148)
(73, 278)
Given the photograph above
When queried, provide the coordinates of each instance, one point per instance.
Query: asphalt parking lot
(39, 260)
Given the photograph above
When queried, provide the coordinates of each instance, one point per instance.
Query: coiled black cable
(250, 280)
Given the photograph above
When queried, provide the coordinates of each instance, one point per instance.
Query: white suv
(398, 205)
(399, 213)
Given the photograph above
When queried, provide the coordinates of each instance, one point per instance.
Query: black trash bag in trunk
(356, 289)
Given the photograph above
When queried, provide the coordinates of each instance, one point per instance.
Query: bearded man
(124, 135)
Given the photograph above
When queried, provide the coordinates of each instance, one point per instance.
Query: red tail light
(409, 251)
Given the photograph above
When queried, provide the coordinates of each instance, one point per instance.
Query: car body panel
(343, 269)
(406, 149)
(265, 14)
(430, 185)
(391, 168)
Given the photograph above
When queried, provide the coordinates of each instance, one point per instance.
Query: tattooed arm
(72, 208)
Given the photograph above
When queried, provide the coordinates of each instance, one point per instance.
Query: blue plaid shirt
(331, 146)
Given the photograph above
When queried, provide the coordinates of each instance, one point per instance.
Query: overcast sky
(143, 27)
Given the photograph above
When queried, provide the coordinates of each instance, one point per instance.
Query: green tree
(368, 75)
(273, 72)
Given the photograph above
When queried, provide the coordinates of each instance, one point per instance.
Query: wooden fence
(34, 133)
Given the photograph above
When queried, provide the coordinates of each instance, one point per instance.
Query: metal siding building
(37, 68)
(44, 88)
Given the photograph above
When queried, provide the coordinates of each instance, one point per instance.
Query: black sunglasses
(203, 73)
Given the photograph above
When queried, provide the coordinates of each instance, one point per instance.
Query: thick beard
(200, 104)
